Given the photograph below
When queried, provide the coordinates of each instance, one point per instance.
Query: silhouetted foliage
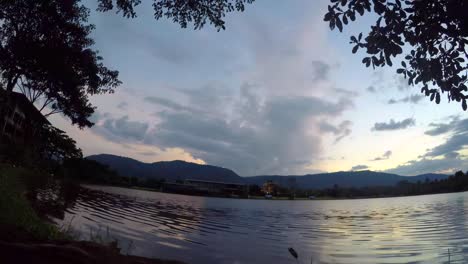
(57, 145)
(255, 190)
(435, 32)
(183, 12)
(46, 53)
(455, 183)
(45, 151)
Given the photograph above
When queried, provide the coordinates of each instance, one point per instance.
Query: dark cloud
(454, 143)
(412, 99)
(394, 125)
(340, 131)
(457, 131)
(442, 128)
(321, 70)
(445, 157)
(371, 89)
(385, 156)
(402, 83)
(121, 128)
(167, 103)
(444, 165)
(263, 137)
(359, 167)
(451, 155)
(122, 105)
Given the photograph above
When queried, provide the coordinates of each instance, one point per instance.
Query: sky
(277, 92)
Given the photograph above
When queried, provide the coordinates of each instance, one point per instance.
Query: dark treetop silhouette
(434, 31)
(45, 52)
(183, 12)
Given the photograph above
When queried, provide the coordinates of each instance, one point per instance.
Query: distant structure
(210, 188)
(269, 187)
(19, 118)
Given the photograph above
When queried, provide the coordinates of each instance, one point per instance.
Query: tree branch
(46, 103)
(55, 111)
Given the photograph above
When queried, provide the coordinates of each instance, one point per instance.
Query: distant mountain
(180, 170)
(343, 179)
(171, 170)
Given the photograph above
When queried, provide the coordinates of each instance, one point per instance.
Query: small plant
(107, 240)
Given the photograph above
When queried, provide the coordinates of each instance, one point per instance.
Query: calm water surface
(417, 229)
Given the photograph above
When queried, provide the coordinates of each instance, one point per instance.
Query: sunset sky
(277, 92)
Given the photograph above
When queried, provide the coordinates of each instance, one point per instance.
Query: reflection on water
(417, 229)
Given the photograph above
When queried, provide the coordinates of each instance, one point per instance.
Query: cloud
(320, 70)
(457, 140)
(394, 125)
(122, 105)
(444, 157)
(402, 83)
(442, 128)
(263, 119)
(444, 165)
(275, 135)
(167, 103)
(371, 89)
(345, 92)
(121, 128)
(340, 131)
(412, 99)
(359, 167)
(385, 156)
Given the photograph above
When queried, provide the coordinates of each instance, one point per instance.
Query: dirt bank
(18, 247)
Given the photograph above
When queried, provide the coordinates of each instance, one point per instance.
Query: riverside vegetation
(28, 235)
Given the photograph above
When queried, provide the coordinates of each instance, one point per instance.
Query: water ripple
(212, 230)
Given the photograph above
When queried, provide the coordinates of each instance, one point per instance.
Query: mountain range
(180, 170)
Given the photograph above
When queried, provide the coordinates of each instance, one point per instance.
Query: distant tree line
(455, 183)
(90, 171)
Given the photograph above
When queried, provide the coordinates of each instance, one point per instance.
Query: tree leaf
(339, 25)
(355, 49)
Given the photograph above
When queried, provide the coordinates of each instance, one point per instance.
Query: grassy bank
(27, 238)
(16, 211)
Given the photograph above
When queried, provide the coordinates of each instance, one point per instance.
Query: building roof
(28, 107)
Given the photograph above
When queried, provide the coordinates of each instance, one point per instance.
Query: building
(210, 188)
(270, 187)
(19, 118)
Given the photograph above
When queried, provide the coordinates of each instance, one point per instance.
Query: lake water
(418, 229)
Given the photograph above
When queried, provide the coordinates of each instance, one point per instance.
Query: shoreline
(281, 198)
(29, 250)
(29, 237)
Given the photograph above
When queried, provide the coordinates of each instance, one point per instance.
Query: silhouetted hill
(171, 170)
(344, 179)
(175, 170)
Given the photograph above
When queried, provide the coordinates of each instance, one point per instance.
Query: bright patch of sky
(277, 92)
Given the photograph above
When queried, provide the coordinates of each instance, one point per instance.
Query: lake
(418, 229)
